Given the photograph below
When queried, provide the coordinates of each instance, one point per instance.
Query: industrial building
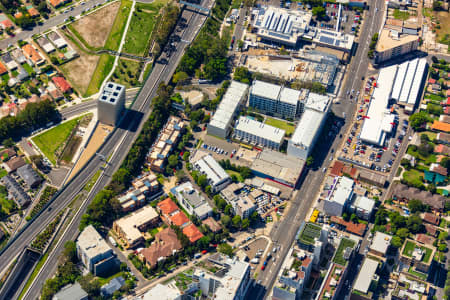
(378, 122)
(287, 27)
(164, 144)
(309, 127)
(402, 83)
(221, 123)
(206, 164)
(339, 196)
(392, 43)
(111, 103)
(257, 133)
(192, 201)
(409, 82)
(94, 252)
(278, 167)
(129, 228)
(275, 100)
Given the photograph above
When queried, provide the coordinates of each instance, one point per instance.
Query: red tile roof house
(192, 233)
(62, 84)
(5, 24)
(431, 81)
(431, 218)
(165, 245)
(442, 149)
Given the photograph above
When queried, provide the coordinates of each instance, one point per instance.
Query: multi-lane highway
(117, 144)
(283, 232)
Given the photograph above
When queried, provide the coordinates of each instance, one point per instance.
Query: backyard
(52, 140)
(286, 126)
(7, 205)
(413, 177)
(142, 24)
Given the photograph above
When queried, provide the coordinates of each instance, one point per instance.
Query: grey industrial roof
(28, 175)
(71, 292)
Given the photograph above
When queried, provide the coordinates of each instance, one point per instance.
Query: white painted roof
(307, 128)
(380, 242)
(256, 128)
(289, 96)
(265, 89)
(317, 102)
(366, 275)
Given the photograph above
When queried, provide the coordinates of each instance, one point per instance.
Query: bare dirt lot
(79, 71)
(95, 27)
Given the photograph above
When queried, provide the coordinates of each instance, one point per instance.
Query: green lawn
(104, 66)
(8, 205)
(339, 256)
(118, 27)
(434, 97)
(28, 68)
(51, 140)
(413, 176)
(286, 126)
(104, 280)
(401, 15)
(3, 173)
(239, 177)
(141, 26)
(426, 160)
(409, 248)
(420, 275)
(127, 72)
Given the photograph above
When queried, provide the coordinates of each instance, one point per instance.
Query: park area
(143, 21)
(53, 140)
(286, 126)
(127, 72)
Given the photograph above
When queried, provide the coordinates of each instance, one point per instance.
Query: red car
(362, 152)
(263, 267)
(204, 251)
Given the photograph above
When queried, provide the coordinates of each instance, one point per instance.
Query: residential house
(431, 218)
(113, 285)
(29, 176)
(62, 84)
(3, 69)
(192, 201)
(9, 61)
(13, 164)
(192, 233)
(440, 126)
(212, 224)
(166, 244)
(129, 228)
(380, 244)
(16, 192)
(94, 252)
(7, 153)
(443, 137)
(71, 292)
(401, 193)
(19, 56)
(32, 55)
(56, 39)
(442, 149)
(32, 11)
(7, 23)
(45, 44)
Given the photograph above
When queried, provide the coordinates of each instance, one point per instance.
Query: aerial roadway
(283, 232)
(117, 145)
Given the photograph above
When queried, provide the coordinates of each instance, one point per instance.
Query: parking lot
(348, 22)
(255, 252)
(375, 158)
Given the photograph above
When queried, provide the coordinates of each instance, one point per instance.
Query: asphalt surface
(50, 23)
(283, 232)
(117, 144)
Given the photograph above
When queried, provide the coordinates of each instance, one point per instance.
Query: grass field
(401, 15)
(104, 66)
(239, 177)
(141, 26)
(413, 176)
(127, 72)
(286, 126)
(51, 140)
(71, 148)
(443, 33)
(8, 205)
(118, 27)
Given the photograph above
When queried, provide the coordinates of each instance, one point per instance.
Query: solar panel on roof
(326, 40)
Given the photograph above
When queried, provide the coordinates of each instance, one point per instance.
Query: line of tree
(34, 116)
(372, 45)
(170, 14)
(105, 208)
(208, 49)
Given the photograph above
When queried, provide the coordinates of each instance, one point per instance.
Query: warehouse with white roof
(220, 124)
(256, 133)
(203, 162)
(378, 121)
(309, 127)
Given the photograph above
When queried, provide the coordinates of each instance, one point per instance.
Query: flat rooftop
(265, 89)
(256, 128)
(91, 242)
(389, 39)
(365, 276)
